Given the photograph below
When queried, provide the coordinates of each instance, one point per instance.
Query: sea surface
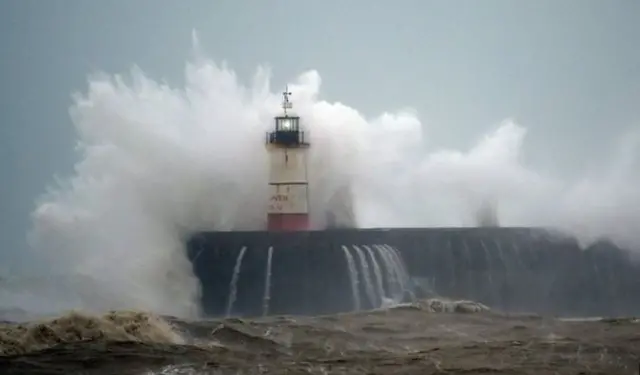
(431, 336)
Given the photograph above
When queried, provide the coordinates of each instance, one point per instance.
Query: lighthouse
(288, 208)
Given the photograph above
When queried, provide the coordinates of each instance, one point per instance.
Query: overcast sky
(568, 70)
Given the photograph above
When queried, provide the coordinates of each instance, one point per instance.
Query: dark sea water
(427, 337)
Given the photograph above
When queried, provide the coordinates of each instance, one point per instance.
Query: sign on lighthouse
(288, 207)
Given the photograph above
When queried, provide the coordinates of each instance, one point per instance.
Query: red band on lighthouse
(288, 222)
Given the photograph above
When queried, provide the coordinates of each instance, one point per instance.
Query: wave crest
(77, 326)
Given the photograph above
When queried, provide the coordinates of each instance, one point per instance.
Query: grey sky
(568, 70)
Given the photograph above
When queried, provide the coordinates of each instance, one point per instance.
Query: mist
(158, 163)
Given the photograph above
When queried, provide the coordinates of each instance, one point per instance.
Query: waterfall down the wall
(511, 269)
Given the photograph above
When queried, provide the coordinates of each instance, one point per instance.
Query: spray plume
(159, 163)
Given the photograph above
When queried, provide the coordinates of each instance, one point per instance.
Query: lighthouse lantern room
(287, 147)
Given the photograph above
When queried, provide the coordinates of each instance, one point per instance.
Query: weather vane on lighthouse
(286, 104)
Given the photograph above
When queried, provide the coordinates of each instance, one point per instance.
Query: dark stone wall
(511, 269)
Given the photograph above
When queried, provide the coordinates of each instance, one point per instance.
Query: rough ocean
(427, 337)
(157, 164)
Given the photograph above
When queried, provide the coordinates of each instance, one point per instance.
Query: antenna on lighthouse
(286, 104)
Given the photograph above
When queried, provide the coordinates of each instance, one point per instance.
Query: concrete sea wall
(510, 269)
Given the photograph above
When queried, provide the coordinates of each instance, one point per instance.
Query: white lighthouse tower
(288, 183)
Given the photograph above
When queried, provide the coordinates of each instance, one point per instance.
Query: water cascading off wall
(375, 277)
(324, 272)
